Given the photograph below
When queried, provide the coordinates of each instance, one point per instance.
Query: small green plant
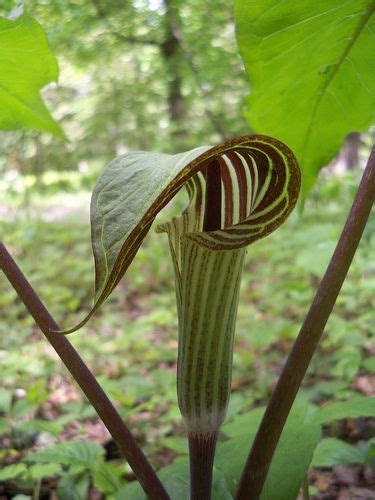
(239, 191)
(76, 464)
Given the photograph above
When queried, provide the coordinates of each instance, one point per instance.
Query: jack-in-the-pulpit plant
(239, 191)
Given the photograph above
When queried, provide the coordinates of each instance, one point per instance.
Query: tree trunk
(351, 155)
(171, 53)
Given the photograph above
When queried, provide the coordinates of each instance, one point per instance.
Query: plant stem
(202, 454)
(85, 379)
(270, 429)
(37, 488)
(305, 488)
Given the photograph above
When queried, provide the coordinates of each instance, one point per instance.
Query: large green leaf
(332, 451)
(311, 67)
(26, 66)
(244, 424)
(12, 471)
(72, 453)
(239, 191)
(175, 478)
(290, 462)
(41, 471)
(359, 406)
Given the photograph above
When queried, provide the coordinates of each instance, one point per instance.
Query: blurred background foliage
(147, 74)
(160, 75)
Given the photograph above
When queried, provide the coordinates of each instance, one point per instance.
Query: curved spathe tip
(240, 191)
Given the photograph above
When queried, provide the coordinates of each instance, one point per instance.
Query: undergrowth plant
(239, 191)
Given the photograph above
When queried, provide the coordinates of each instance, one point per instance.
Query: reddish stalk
(85, 379)
(265, 443)
(201, 454)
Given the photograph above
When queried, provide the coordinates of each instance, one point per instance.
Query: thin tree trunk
(353, 141)
(171, 53)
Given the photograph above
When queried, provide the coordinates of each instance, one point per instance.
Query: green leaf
(38, 425)
(5, 400)
(71, 488)
(291, 460)
(311, 69)
(21, 408)
(240, 191)
(40, 471)
(241, 425)
(106, 478)
(369, 364)
(12, 471)
(175, 443)
(332, 451)
(348, 362)
(73, 453)
(175, 478)
(5, 426)
(353, 408)
(369, 449)
(26, 66)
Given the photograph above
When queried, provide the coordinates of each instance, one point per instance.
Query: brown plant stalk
(270, 429)
(85, 379)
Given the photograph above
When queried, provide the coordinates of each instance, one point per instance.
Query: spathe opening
(212, 209)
